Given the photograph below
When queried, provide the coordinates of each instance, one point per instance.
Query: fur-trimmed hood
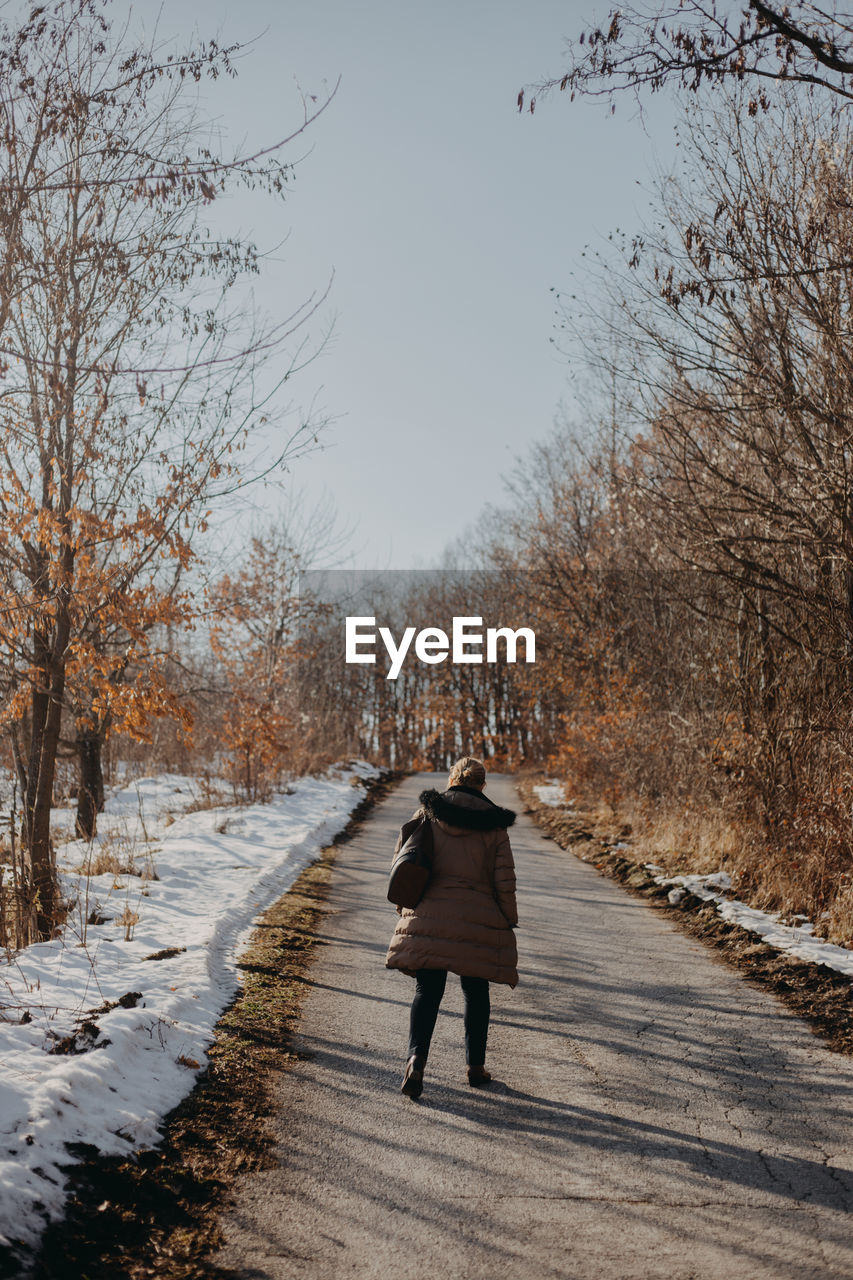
(465, 807)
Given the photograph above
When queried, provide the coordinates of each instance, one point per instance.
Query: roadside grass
(602, 836)
(158, 1214)
(683, 840)
(839, 917)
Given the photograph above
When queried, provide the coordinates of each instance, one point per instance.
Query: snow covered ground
(143, 971)
(797, 939)
(552, 793)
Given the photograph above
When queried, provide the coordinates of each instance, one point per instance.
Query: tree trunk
(90, 792)
(39, 801)
(46, 708)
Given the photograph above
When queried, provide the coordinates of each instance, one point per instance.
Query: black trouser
(430, 989)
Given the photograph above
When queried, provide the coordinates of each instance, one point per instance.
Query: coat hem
(412, 973)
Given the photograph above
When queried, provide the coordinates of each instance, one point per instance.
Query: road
(652, 1114)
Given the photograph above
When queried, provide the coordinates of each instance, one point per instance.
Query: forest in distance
(682, 548)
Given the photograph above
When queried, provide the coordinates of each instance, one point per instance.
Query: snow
(796, 940)
(552, 793)
(217, 869)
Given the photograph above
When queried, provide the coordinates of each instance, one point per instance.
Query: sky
(443, 219)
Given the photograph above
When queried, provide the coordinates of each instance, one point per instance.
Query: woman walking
(464, 922)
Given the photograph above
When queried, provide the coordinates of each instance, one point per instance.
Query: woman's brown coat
(464, 920)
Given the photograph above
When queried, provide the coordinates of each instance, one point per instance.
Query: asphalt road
(652, 1114)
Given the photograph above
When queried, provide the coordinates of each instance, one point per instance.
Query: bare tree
(693, 43)
(731, 320)
(134, 378)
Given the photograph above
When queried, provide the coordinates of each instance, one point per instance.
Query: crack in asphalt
(652, 1201)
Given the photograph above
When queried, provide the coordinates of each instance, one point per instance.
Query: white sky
(446, 217)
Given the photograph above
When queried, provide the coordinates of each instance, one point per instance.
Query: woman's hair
(467, 772)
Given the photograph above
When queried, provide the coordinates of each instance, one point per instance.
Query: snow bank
(552, 793)
(150, 1017)
(797, 940)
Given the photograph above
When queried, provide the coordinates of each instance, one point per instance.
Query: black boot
(413, 1079)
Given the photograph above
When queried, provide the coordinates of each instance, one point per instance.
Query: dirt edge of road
(820, 996)
(158, 1215)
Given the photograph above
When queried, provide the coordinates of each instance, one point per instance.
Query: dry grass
(104, 860)
(682, 838)
(837, 924)
(117, 854)
(678, 836)
(128, 920)
(17, 916)
(210, 796)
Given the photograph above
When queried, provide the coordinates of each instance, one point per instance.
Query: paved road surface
(653, 1115)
